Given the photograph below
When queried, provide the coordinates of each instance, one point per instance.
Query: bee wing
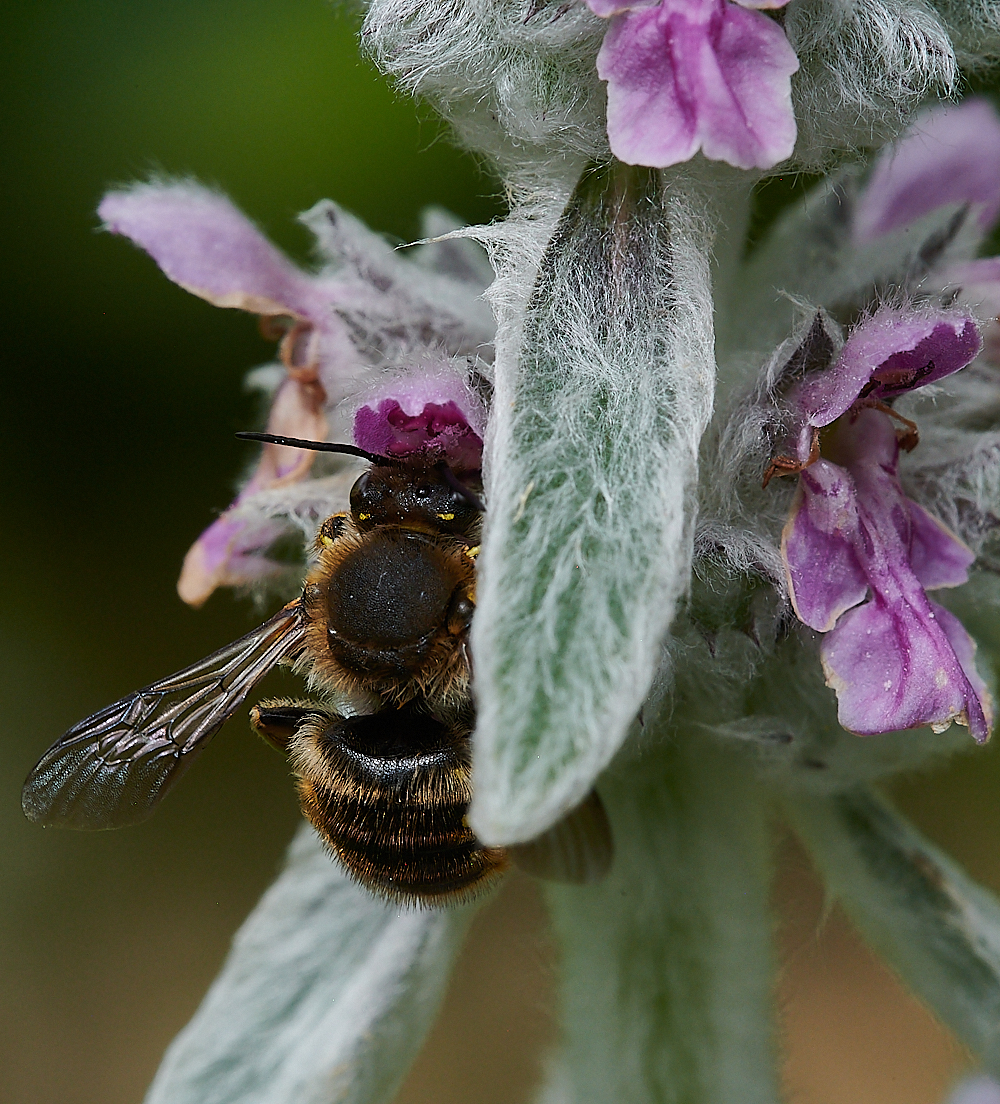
(577, 849)
(114, 767)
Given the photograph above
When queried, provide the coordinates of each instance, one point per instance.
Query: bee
(380, 629)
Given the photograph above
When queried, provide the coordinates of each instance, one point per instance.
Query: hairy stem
(667, 966)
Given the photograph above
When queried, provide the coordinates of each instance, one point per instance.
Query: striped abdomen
(389, 793)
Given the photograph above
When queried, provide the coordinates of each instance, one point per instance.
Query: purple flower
(949, 155)
(860, 556)
(230, 551)
(689, 75)
(431, 409)
(368, 308)
(891, 354)
(202, 242)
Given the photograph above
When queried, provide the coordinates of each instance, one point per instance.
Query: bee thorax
(394, 591)
(385, 608)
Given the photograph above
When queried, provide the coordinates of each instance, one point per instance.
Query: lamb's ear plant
(740, 540)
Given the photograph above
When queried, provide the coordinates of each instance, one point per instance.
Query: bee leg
(331, 530)
(279, 719)
(460, 614)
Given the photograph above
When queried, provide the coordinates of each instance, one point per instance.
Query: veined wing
(114, 767)
(578, 849)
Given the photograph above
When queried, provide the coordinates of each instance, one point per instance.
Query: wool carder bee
(382, 760)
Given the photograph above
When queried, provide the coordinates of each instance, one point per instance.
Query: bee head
(414, 496)
(415, 492)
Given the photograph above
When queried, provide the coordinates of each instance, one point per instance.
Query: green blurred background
(122, 394)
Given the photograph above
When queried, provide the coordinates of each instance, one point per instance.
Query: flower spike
(644, 624)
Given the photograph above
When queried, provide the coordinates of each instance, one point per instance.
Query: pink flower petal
(949, 155)
(436, 428)
(897, 351)
(698, 74)
(202, 242)
(894, 666)
(937, 557)
(431, 408)
(897, 661)
(228, 552)
(817, 545)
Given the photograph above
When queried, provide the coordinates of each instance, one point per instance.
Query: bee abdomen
(400, 850)
(389, 793)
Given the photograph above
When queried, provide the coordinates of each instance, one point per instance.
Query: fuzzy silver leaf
(325, 998)
(595, 437)
(915, 906)
(667, 966)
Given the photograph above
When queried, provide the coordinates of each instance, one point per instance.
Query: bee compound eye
(359, 489)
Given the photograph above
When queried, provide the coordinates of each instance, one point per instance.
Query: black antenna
(321, 446)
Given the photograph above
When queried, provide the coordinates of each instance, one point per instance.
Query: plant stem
(667, 966)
